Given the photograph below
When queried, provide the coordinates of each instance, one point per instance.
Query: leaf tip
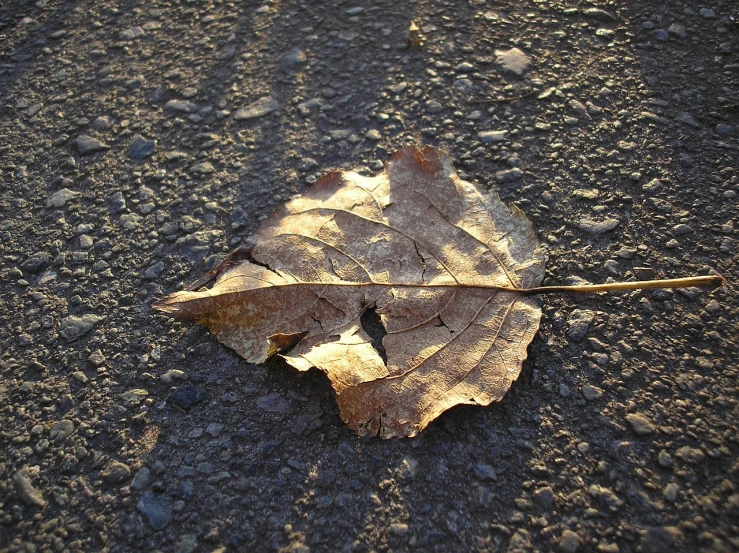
(174, 304)
(162, 304)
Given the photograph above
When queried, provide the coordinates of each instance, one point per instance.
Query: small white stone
(61, 197)
(492, 136)
(513, 60)
(172, 375)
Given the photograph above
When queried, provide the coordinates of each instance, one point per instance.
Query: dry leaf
(448, 268)
(414, 35)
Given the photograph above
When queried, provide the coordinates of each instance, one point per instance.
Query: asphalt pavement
(140, 142)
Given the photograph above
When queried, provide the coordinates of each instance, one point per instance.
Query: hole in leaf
(372, 325)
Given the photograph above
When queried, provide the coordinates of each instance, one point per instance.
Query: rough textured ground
(621, 434)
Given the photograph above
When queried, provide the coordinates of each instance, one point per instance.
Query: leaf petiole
(710, 280)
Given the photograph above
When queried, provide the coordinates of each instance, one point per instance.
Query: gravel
(513, 61)
(88, 145)
(592, 226)
(61, 197)
(157, 508)
(640, 424)
(182, 106)
(579, 323)
(185, 397)
(116, 473)
(274, 403)
(28, 493)
(141, 143)
(260, 108)
(492, 136)
(141, 148)
(74, 327)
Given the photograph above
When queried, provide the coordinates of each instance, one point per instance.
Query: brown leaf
(424, 248)
(448, 268)
(414, 35)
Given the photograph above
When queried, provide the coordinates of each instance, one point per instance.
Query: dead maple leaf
(448, 268)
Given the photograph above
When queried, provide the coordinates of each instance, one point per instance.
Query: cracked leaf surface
(440, 261)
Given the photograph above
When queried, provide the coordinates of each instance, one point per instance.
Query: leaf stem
(712, 280)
